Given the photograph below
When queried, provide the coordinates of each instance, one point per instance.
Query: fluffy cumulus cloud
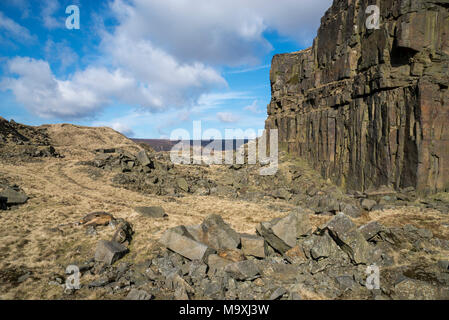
(39, 90)
(158, 55)
(229, 32)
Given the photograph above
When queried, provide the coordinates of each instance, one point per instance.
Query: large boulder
(180, 241)
(282, 233)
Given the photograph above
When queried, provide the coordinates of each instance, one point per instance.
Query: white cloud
(15, 30)
(226, 117)
(123, 129)
(254, 108)
(227, 32)
(49, 8)
(83, 94)
(171, 83)
(60, 52)
(159, 55)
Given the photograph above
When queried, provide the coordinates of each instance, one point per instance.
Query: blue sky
(147, 67)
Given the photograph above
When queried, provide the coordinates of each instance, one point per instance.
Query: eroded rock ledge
(370, 107)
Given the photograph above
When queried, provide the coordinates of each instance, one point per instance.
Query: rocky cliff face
(370, 107)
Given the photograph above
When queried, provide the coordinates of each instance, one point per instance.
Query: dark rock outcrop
(369, 108)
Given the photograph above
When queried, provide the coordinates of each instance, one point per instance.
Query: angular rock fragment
(243, 270)
(320, 246)
(13, 197)
(295, 255)
(368, 204)
(176, 283)
(217, 234)
(371, 229)
(151, 212)
(350, 209)
(278, 293)
(143, 159)
(282, 233)
(109, 251)
(350, 240)
(253, 246)
(217, 263)
(234, 255)
(136, 294)
(180, 241)
(182, 184)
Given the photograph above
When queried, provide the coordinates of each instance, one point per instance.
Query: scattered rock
(151, 212)
(182, 184)
(234, 255)
(295, 255)
(350, 210)
(109, 251)
(217, 234)
(443, 264)
(180, 241)
(243, 270)
(124, 232)
(13, 197)
(175, 282)
(278, 293)
(101, 282)
(143, 159)
(282, 233)
(320, 246)
(368, 204)
(217, 263)
(253, 246)
(136, 294)
(350, 240)
(370, 230)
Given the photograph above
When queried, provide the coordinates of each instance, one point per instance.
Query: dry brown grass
(62, 193)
